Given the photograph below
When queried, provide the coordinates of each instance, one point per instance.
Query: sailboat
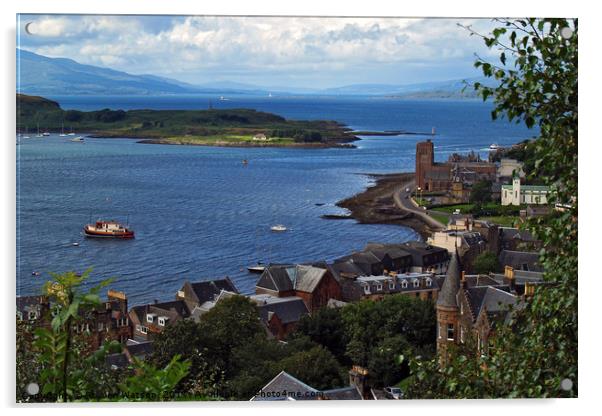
(26, 134)
(62, 130)
(39, 134)
(71, 133)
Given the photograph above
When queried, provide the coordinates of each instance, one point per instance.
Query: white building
(517, 194)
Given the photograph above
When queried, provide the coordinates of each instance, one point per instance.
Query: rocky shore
(376, 204)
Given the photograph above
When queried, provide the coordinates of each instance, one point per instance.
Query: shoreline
(376, 205)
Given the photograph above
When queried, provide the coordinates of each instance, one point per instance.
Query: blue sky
(265, 51)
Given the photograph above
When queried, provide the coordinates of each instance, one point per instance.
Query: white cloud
(192, 47)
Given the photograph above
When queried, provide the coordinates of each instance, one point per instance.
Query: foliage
(317, 367)
(325, 327)
(59, 359)
(486, 262)
(532, 355)
(480, 192)
(151, 383)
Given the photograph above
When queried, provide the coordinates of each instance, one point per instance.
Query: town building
(151, 319)
(426, 258)
(472, 306)
(508, 169)
(288, 388)
(520, 260)
(466, 170)
(280, 315)
(515, 239)
(199, 293)
(420, 285)
(518, 194)
(33, 309)
(469, 244)
(315, 284)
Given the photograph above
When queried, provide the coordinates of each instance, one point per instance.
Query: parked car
(394, 393)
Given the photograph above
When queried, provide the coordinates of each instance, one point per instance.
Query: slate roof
(451, 284)
(518, 259)
(139, 349)
(283, 278)
(284, 382)
(493, 299)
(420, 250)
(345, 269)
(174, 310)
(516, 234)
(344, 393)
(207, 291)
(288, 309)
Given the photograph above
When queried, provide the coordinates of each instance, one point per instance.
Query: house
(286, 387)
(469, 244)
(366, 261)
(108, 321)
(421, 285)
(280, 314)
(200, 310)
(33, 309)
(426, 258)
(196, 294)
(392, 257)
(149, 320)
(518, 240)
(520, 260)
(517, 194)
(315, 284)
(508, 169)
(471, 307)
(260, 137)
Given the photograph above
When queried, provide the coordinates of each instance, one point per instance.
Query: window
(439, 331)
(144, 330)
(32, 315)
(429, 282)
(162, 320)
(150, 317)
(462, 334)
(416, 283)
(367, 289)
(404, 284)
(379, 286)
(450, 332)
(391, 285)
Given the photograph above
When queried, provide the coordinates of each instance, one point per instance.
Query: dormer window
(367, 289)
(391, 285)
(163, 320)
(150, 317)
(379, 286)
(429, 282)
(404, 284)
(416, 283)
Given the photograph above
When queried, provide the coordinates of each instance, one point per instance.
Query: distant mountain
(439, 89)
(40, 75)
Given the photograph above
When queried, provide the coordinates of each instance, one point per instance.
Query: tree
(316, 367)
(480, 192)
(485, 263)
(537, 350)
(325, 327)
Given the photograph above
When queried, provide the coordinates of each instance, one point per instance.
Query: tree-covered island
(211, 127)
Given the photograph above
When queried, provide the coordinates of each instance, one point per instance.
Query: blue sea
(199, 213)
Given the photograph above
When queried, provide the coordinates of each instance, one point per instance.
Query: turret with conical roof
(451, 285)
(447, 308)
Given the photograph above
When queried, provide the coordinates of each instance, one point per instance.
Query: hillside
(207, 127)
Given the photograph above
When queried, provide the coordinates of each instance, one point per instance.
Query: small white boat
(257, 268)
(71, 134)
(278, 228)
(45, 134)
(78, 139)
(493, 146)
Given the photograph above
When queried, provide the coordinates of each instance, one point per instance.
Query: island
(211, 127)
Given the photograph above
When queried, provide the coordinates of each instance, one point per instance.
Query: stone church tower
(447, 309)
(425, 159)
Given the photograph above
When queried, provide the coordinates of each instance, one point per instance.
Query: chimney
(509, 276)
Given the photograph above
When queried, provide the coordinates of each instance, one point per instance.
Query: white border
(590, 208)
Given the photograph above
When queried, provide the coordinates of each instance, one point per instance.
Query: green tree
(316, 367)
(485, 263)
(480, 192)
(537, 350)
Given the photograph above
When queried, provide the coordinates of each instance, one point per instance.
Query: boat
(62, 131)
(108, 229)
(45, 134)
(245, 162)
(278, 227)
(39, 134)
(493, 146)
(78, 139)
(256, 268)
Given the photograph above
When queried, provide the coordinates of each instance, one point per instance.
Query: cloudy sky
(265, 51)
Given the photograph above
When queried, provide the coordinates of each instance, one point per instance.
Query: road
(403, 200)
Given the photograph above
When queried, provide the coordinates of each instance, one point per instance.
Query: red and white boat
(108, 229)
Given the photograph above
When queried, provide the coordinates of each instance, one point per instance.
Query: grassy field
(442, 218)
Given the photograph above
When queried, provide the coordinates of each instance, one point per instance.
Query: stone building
(462, 170)
(518, 194)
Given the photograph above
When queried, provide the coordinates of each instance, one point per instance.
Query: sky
(266, 51)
